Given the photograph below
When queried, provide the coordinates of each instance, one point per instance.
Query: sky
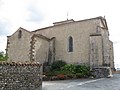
(35, 14)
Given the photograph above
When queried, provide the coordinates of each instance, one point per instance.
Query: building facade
(81, 42)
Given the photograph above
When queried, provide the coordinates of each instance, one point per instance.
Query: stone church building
(81, 42)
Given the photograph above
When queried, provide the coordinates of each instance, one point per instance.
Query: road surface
(84, 84)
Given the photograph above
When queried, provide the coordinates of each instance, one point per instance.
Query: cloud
(4, 27)
(35, 14)
(3, 41)
(116, 42)
(1, 3)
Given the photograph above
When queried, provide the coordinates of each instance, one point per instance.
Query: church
(79, 42)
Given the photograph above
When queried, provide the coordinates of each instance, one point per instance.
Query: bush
(3, 56)
(82, 70)
(70, 68)
(70, 75)
(61, 70)
(79, 75)
(50, 74)
(78, 68)
(85, 70)
(57, 65)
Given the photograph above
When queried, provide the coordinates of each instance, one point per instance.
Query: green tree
(3, 56)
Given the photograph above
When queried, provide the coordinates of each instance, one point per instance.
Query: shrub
(57, 65)
(70, 68)
(3, 56)
(50, 74)
(70, 75)
(79, 75)
(61, 72)
(83, 70)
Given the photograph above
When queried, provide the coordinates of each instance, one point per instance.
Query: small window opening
(20, 34)
(70, 44)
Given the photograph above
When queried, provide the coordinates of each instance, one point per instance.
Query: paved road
(84, 84)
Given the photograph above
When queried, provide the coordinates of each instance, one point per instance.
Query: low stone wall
(102, 72)
(20, 76)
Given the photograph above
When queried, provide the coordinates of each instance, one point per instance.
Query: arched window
(70, 44)
(20, 34)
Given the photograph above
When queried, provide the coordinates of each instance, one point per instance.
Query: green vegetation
(61, 70)
(57, 65)
(82, 70)
(3, 56)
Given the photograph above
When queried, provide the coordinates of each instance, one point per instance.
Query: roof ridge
(71, 21)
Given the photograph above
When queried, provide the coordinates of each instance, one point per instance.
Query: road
(84, 84)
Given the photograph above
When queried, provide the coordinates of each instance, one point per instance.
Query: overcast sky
(34, 14)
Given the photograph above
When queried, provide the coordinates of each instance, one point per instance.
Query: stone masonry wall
(102, 72)
(20, 76)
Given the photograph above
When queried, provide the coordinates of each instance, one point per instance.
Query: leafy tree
(3, 56)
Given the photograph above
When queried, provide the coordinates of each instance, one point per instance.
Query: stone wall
(102, 72)
(20, 76)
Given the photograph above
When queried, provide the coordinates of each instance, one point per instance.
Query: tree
(3, 56)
